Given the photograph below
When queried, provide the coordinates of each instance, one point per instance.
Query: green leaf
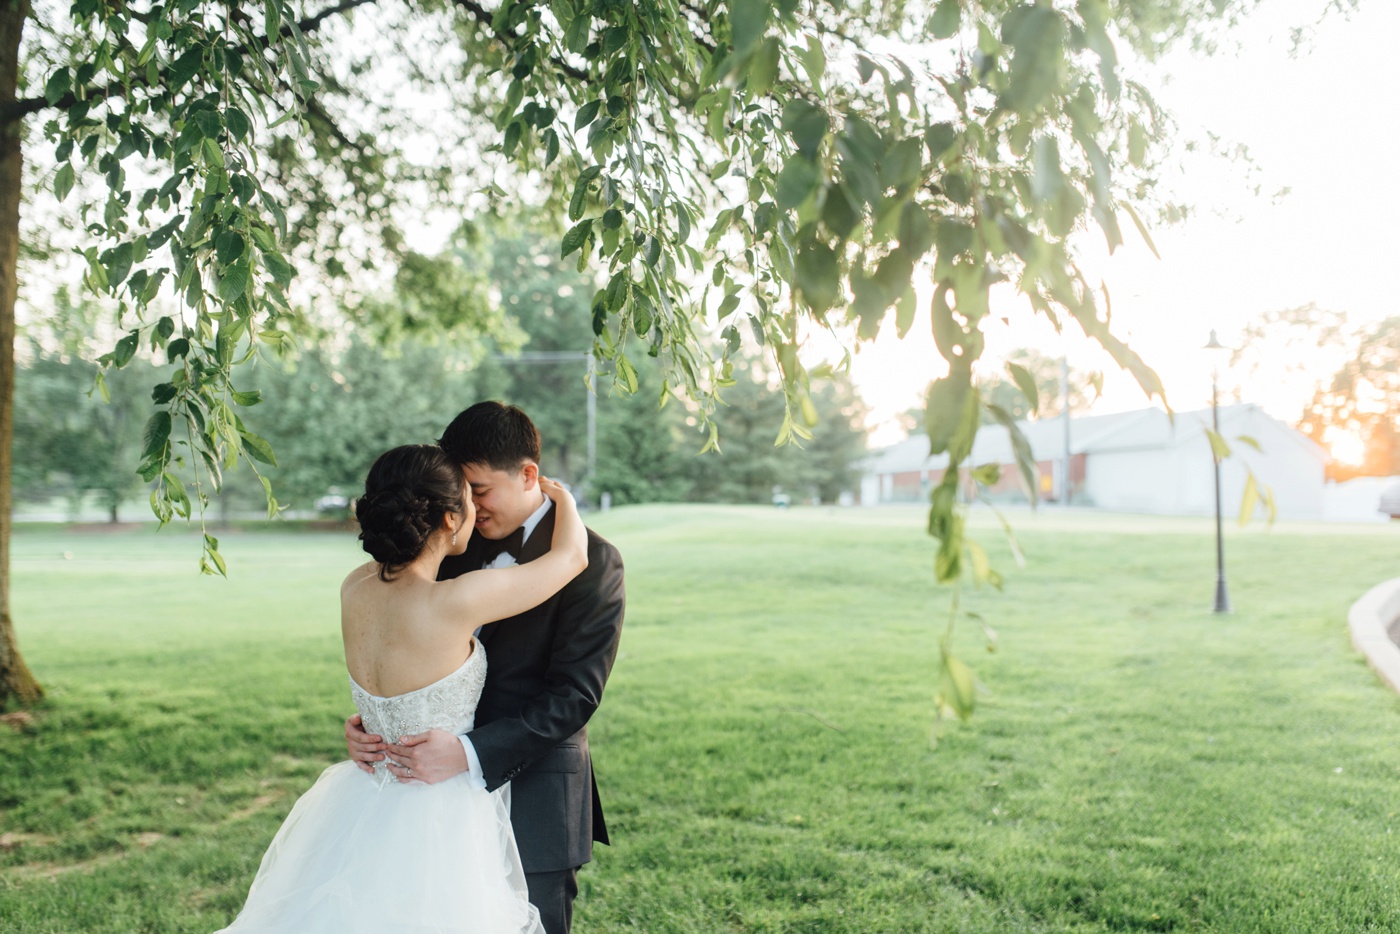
(125, 349)
(840, 212)
(915, 229)
(272, 18)
(946, 18)
(1142, 229)
(211, 554)
(185, 67)
(257, 448)
(902, 164)
(1025, 459)
(614, 38)
(905, 310)
(628, 373)
(279, 268)
(586, 113)
(576, 36)
(272, 507)
(1251, 441)
(63, 180)
(807, 123)
(59, 83)
(578, 202)
(118, 263)
(1037, 36)
(1026, 383)
(238, 123)
(233, 283)
(1219, 448)
(945, 409)
(958, 687)
(953, 238)
(940, 138)
(250, 397)
(814, 61)
(765, 66)
(618, 288)
(229, 247)
(748, 19)
(575, 238)
(156, 435)
(1249, 500)
(796, 181)
(818, 276)
(1137, 144)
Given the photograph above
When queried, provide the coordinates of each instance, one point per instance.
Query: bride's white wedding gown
(372, 854)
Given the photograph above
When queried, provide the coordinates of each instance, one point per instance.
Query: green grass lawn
(1136, 763)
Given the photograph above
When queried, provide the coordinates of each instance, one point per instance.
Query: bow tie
(511, 544)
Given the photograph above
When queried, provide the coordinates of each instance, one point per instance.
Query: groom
(545, 668)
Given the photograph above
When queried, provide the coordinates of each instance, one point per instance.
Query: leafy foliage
(1363, 397)
(74, 440)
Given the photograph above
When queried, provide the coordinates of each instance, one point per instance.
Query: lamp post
(1222, 593)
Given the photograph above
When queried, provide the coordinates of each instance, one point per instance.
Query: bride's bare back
(397, 636)
(407, 632)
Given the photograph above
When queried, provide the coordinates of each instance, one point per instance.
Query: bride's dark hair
(407, 493)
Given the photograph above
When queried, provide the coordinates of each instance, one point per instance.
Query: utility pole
(1064, 399)
(571, 356)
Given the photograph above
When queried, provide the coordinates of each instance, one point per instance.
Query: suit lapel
(539, 541)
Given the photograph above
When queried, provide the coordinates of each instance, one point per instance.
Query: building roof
(1139, 430)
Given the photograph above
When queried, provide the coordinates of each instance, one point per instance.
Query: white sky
(1324, 124)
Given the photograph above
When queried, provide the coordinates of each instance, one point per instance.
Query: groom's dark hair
(492, 433)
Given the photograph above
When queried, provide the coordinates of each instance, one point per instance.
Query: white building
(1142, 461)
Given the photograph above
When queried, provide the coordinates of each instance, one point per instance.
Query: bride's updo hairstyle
(407, 493)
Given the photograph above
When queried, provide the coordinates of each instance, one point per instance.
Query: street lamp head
(1214, 344)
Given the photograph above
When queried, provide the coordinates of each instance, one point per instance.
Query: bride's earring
(454, 538)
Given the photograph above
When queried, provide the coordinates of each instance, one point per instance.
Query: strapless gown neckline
(476, 650)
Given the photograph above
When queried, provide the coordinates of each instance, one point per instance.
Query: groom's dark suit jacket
(545, 671)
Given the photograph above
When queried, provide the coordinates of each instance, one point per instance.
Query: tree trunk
(16, 681)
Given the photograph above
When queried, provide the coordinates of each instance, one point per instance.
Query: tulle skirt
(356, 855)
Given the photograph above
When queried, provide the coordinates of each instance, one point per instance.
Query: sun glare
(1347, 447)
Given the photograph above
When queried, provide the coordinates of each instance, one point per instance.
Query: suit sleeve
(581, 656)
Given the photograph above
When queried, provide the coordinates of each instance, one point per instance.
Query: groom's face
(504, 499)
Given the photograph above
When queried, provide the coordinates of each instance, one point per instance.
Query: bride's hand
(569, 533)
(556, 491)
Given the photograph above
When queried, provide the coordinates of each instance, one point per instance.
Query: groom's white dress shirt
(504, 560)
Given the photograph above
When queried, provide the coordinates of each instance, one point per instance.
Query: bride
(369, 853)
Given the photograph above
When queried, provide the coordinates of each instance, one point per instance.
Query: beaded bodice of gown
(447, 704)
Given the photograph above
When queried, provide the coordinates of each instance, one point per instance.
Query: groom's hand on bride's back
(365, 748)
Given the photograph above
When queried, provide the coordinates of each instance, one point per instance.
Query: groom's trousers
(552, 893)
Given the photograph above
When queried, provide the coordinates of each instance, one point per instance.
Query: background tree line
(1359, 400)
(346, 395)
